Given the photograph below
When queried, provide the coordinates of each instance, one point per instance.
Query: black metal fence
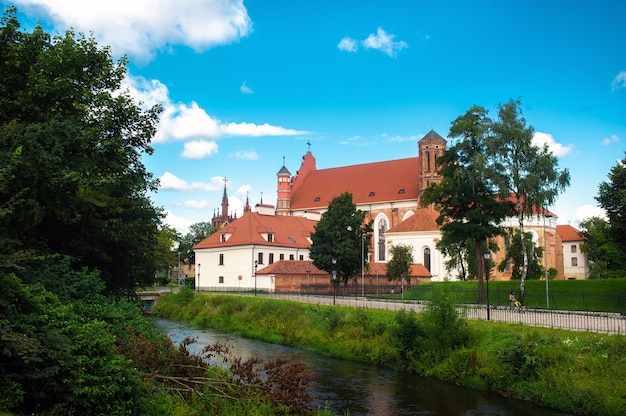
(579, 312)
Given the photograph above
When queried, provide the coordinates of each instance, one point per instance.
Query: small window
(260, 258)
(223, 239)
(270, 259)
(270, 237)
(301, 257)
(317, 199)
(221, 279)
(372, 193)
(573, 248)
(574, 262)
(281, 256)
(401, 191)
(221, 260)
(291, 257)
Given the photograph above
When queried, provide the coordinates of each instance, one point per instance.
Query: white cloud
(180, 121)
(381, 41)
(611, 139)
(185, 121)
(619, 81)
(246, 155)
(245, 89)
(191, 203)
(139, 28)
(256, 130)
(243, 190)
(179, 224)
(169, 181)
(558, 149)
(199, 149)
(587, 211)
(384, 42)
(348, 44)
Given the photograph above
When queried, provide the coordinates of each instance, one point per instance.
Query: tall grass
(576, 372)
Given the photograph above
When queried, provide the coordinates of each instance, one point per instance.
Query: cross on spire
(308, 143)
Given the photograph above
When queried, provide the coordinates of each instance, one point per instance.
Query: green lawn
(606, 295)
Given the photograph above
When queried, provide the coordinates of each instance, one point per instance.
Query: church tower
(283, 206)
(221, 219)
(430, 148)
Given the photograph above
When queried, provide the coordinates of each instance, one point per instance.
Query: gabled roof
(569, 233)
(253, 227)
(292, 267)
(417, 270)
(424, 219)
(299, 268)
(392, 180)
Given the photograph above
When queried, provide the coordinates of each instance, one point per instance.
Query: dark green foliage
(442, 321)
(338, 235)
(408, 334)
(71, 144)
(435, 333)
(466, 197)
(608, 251)
(400, 263)
(197, 232)
(515, 258)
(522, 357)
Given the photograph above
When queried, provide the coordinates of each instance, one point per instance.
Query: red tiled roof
(424, 219)
(292, 267)
(249, 229)
(568, 233)
(393, 180)
(299, 268)
(417, 270)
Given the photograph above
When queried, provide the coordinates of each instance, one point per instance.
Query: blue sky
(246, 84)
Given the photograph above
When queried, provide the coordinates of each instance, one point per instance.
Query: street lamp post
(362, 264)
(334, 281)
(198, 277)
(487, 255)
(256, 264)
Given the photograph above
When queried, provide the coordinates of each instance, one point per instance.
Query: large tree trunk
(524, 251)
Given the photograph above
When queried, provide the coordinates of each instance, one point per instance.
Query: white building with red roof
(575, 263)
(230, 257)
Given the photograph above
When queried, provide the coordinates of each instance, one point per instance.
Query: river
(358, 389)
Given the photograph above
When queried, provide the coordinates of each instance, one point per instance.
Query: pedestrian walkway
(601, 322)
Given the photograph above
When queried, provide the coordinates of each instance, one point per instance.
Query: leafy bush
(185, 295)
(408, 334)
(443, 325)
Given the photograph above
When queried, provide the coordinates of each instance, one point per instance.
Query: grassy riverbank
(579, 373)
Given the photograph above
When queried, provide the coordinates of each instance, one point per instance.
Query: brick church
(388, 191)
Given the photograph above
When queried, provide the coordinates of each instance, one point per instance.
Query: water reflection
(362, 389)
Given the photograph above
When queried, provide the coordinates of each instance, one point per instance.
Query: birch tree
(522, 171)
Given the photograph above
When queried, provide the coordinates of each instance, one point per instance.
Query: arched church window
(382, 228)
(427, 258)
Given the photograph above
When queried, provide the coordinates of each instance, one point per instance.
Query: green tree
(339, 235)
(522, 170)
(470, 212)
(197, 232)
(602, 252)
(514, 257)
(400, 262)
(73, 140)
(612, 197)
(166, 253)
